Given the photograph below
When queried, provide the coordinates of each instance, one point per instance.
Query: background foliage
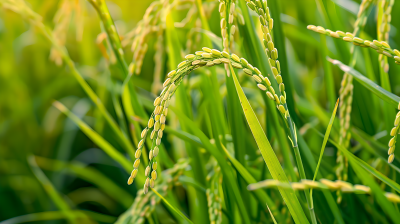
(52, 170)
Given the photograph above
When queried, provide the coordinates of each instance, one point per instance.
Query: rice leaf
(269, 156)
(373, 87)
(172, 207)
(328, 131)
(95, 137)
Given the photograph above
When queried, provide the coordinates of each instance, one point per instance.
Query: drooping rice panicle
(384, 27)
(322, 184)
(226, 9)
(346, 89)
(208, 57)
(394, 133)
(261, 8)
(213, 193)
(145, 205)
(381, 47)
(151, 23)
(62, 20)
(267, 23)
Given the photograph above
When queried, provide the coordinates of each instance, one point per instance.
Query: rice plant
(183, 111)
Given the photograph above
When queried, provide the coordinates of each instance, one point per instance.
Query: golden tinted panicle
(323, 184)
(381, 47)
(156, 123)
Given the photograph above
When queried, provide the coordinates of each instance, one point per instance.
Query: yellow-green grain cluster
(227, 9)
(145, 204)
(214, 195)
(323, 184)
(385, 9)
(382, 47)
(384, 28)
(66, 13)
(267, 24)
(156, 124)
(394, 132)
(151, 23)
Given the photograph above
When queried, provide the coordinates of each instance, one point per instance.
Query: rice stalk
(111, 29)
(322, 184)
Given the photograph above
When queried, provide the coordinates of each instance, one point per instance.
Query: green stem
(300, 166)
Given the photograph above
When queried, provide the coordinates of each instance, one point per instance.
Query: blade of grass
(225, 167)
(88, 174)
(56, 215)
(328, 131)
(269, 155)
(272, 216)
(51, 191)
(260, 195)
(373, 87)
(256, 53)
(95, 137)
(238, 129)
(359, 162)
(173, 208)
(361, 168)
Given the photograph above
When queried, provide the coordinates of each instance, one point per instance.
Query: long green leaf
(56, 215)
(51, 191)
(269, 156)
(266, 201)
(95, 137)
(88, 174)
(376, 89)
(367, 167)
(361, 168)
(226, 169)
(172, 207)
(328, 131)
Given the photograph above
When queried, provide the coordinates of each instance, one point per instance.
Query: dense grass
(183, 111)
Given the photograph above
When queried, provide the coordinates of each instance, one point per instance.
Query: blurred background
(42, 152)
